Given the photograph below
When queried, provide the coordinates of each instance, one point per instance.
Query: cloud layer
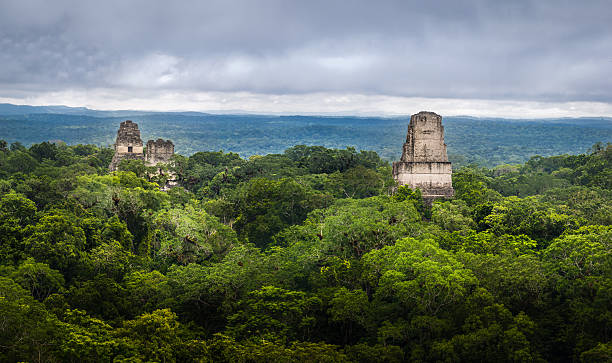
(531, 52)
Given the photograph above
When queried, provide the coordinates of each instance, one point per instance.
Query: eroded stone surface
(424, 163)
(159, 151)
(128, 144)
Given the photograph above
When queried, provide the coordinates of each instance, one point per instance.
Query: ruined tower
(424, 163)
(159, 151)
(128, 144)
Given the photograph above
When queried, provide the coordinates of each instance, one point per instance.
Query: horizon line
(239, 112)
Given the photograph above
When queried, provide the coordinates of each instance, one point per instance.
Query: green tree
(452, 215)
(156, 336)
(226, 349)
(351, 309)
(471, 186)
(527, 216)
(520, 283)
(580, 263)
(116, 230)
(38, 278)
(357, 182)
(148, 291)
(351, 228)
(110, 259)
(16, 213)
(43, 151)
(101, 297)
(86, 339)
(20, 161)
(601, 353)
(491, 336)
(27, 331)
(276, 314)
(189, 234)
(56, 239)
(419, 275)
(136, 166)
(364, 353)
(205, 294)
(267, 206)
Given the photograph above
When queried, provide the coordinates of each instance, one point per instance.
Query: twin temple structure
(128, 146)
(424, 163)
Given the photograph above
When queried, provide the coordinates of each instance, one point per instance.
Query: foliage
(274, 314)
(189, 234)
(301, 256)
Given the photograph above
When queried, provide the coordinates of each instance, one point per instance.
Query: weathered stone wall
(159, 151)
(424, 163)
(128, 144)
(425, 139)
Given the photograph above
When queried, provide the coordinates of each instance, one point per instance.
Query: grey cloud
(523, 50)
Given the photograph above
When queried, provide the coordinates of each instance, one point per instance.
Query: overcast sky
(483, 58)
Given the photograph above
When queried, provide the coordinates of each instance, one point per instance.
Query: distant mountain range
(11, 109)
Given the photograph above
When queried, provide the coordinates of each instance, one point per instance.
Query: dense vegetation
(486, 142)
(301, 256)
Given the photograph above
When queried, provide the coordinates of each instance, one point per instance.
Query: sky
(501, 58)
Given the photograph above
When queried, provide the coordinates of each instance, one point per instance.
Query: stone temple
(424, 163)
(129, 147)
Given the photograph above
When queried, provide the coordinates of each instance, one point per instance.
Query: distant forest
(486, 142)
